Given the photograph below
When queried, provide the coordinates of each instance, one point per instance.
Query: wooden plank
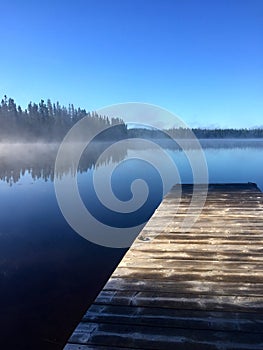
(192, 255)
(174, 275)
(188, 319)
(95, 347)
(166, 246)
(159, 337)
(189, 287)
(231, 266)
(181, 301)
(198, 289)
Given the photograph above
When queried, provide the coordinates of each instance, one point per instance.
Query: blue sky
(202, 60)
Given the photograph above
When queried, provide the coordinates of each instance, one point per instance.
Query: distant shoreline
(56, 143)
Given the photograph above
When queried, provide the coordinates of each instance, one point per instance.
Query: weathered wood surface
(199, 289)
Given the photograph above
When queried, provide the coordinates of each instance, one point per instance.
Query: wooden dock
(201, 289)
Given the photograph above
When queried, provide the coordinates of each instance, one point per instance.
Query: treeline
(184, 133)
(227, 133)
(47, 121)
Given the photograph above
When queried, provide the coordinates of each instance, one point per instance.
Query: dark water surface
(49, 275)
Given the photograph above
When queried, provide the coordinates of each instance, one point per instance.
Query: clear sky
(200, 59)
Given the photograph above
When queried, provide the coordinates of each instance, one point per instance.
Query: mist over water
(37, 159)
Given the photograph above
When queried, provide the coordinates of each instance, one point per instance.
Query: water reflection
(38, 159)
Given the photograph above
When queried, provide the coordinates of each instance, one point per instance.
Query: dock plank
(201, 288)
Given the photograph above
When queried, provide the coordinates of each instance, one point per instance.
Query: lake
(49, 274)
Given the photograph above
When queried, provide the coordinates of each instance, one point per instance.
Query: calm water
(48, 273)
